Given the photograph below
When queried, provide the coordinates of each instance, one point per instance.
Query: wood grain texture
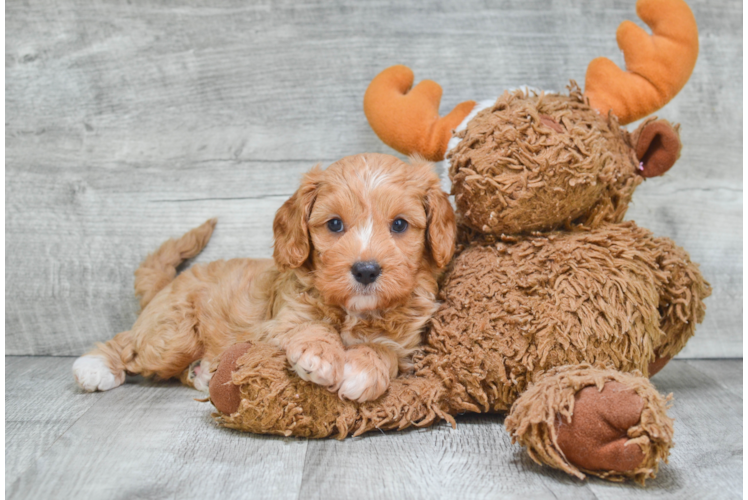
(127, 123)
(728, 375)
(145, 440)
(41, 403)
(152, 440)
(477, 460)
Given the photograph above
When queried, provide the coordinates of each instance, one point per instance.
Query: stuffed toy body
(553, 309)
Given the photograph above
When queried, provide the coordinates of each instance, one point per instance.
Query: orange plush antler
(658, 65)
(408, 120)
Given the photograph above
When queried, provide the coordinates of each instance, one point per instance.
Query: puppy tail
(160, 267)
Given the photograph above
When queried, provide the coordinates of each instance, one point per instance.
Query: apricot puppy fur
(352, 283)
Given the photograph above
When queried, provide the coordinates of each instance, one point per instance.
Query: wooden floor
(148, 440)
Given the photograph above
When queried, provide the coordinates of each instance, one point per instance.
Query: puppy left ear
(441, 229)
(290, 227)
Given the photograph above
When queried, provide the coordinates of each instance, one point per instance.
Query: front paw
(365, 377)
(321, 363)
(199, 374)
(93, 374)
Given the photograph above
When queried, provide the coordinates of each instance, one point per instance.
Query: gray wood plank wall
(130, 122)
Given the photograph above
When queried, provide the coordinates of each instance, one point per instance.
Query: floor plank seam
(52, 444)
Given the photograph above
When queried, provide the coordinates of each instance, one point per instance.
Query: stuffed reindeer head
(534, 161)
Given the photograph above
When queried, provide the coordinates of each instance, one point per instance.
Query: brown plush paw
(224, 395)
(597, 435)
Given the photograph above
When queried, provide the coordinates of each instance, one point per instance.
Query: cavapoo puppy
(353, 280)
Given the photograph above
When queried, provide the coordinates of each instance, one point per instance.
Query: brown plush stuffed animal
(553, 309)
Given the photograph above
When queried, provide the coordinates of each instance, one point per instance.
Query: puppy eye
(335, 225)
(399, 225)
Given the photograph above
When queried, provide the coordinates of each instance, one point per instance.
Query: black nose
(366, 272)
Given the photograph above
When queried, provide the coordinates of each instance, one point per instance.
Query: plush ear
(657, 145)
(290, 227)
(441, 229)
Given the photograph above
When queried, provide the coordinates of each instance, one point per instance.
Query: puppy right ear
(442, 227)
(441, 231)
(290, 227)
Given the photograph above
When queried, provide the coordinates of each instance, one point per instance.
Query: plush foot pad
(657, 365)
(584, 419)
(224, 395)
(597, 439)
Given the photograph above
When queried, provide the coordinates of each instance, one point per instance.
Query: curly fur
(335, 331)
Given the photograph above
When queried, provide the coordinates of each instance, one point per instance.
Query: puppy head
(366, 228)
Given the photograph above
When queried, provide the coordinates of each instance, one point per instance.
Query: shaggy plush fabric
(274, 400)
(615, 294)
(535, 162)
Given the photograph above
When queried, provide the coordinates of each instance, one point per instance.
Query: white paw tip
(355, 382)
(93, 374)
(314, 369)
